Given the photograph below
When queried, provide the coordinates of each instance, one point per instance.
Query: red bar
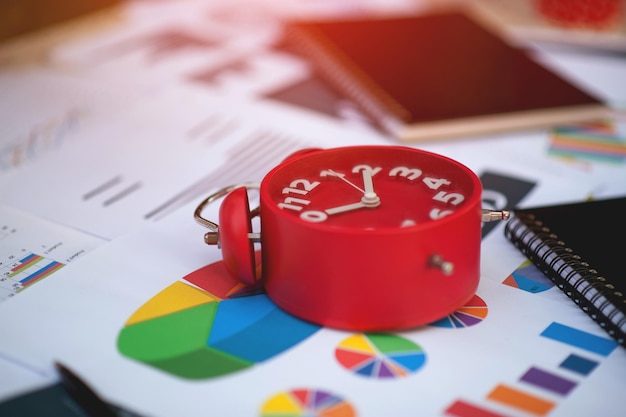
(461, 408)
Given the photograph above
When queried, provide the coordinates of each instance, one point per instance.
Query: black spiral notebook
(580, 247)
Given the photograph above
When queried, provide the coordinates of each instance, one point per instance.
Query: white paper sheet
(466, 364)
(33, 249)
(122, 145)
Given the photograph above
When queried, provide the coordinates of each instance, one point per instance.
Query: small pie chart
(380, 355)
(529, 278)
(471, 314)
(307, 403)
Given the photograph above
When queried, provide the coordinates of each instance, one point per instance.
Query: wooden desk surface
(18, 17)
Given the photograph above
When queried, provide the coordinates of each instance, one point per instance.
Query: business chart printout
(32, 249)
(171, 322)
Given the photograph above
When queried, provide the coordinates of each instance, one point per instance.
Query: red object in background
(335, 255)
(581, 13)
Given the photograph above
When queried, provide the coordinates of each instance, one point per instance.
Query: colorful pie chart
(529, 278)
(471, 314)
(307, 403)
(208, 325)
(380, 355)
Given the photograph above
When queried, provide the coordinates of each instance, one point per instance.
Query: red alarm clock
(362, 238)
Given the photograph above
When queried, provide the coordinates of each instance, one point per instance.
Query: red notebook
(439, 75)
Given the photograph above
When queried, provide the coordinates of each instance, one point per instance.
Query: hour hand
(354, 206)
(344, 208)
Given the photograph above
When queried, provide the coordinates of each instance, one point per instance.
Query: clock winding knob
(437, 261)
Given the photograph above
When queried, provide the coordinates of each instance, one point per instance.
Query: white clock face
(371, 188)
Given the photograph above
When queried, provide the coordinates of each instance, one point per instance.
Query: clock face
(370, 187)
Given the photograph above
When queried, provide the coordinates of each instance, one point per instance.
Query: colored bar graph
(41, 273)
(27, 270)
(549, 381)
(25, 263)
(461, 408)
(580, 339)
(585, 141)
(542, 379)
(578, 364)
(520, 400)
(32, 248)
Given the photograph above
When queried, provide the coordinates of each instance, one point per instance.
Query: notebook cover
(420, 70)
(586, 236)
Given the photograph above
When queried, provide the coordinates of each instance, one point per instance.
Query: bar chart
(23, 268)
(32, 249)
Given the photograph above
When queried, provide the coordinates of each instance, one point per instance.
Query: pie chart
(307, 403)
(207, 325)
(529, 278)
(380, 355)
(471, 314)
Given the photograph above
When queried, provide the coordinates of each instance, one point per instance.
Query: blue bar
(580, 339)
(27, 258)
(40, 272)
(578, 364)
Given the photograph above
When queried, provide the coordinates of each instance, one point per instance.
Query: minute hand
(368, 184)
(369, 196)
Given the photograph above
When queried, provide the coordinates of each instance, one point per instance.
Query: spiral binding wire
(571, 274)
(349, 78)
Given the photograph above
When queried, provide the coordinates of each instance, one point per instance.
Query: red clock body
(370, 237)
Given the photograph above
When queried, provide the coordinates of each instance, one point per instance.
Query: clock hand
(370, 199)
(369, 196)
(365, 202)
(347, 207)
(341, 177)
